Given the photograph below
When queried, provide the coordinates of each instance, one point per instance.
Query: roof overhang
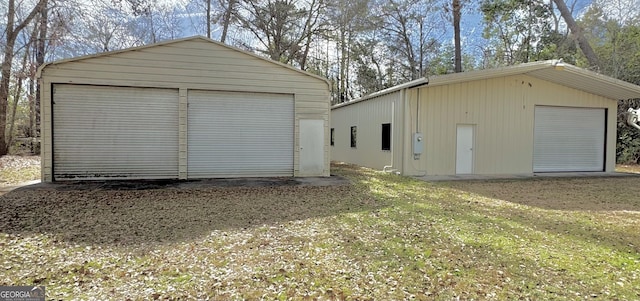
(412, 84)
(554, 71)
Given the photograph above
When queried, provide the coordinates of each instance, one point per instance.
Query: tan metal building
(537, 117)
(182, 109)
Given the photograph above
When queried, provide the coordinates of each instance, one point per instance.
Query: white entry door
(464, 149)
(311, 147)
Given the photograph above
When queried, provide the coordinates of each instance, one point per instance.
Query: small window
(386, 136)
(333, 137)
(354, 130)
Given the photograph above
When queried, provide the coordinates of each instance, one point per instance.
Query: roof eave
(627, 90)
(408, 85)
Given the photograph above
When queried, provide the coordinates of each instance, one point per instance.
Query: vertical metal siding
(368, 116)
(503, 111)
(189, 65)
(114, 132)
(239, 134)
(568, 139)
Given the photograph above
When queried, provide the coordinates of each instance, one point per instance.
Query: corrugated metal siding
(568, 139)
(503, 111)
(368, 116)
(114, 132)
(239, 134)
(192, 64)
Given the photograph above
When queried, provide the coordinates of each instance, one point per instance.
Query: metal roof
(553, 71)
(408, 85)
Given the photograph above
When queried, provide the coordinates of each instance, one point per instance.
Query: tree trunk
(421, 54)
(40, 53)
(307, 35)
(343, 66)
(227, 20)
(4, 95)
(577, 31)
(11, 35)
(457, 7)
(305, 54)
(209, 19)
(16, 97)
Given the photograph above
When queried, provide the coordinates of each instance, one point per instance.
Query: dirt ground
(380, 237)
(628, 168)
(159, 214)
(591, 194)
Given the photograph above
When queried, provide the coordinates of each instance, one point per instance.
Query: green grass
(383, 238)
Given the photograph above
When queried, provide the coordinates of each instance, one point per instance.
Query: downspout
(418, 171)
(389, 168)
(406, 126)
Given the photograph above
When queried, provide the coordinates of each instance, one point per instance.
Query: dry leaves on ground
(383, 237)
(18, 169)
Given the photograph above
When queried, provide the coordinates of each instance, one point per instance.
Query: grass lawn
(384, 237)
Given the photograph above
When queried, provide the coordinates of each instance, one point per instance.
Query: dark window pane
(354, 130)
(332, 136)
(386, 136)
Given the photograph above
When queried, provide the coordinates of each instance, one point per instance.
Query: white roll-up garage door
(240, 134)
(569, 139)
(103, 132)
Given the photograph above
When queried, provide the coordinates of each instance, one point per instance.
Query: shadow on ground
(135, 212)
(572, 194)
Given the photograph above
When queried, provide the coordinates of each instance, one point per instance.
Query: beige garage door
(103, 132)
(569, 139)
(234, 134)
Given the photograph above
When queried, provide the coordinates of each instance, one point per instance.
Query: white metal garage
(182, 109)
(235, 134)
(546, 116)
(569, 139)
(114, 132)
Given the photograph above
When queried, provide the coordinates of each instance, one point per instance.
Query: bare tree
(226, 19)
(20, 76)
(410, 36)
(12, 31)
(283, 28)
(348, 21)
